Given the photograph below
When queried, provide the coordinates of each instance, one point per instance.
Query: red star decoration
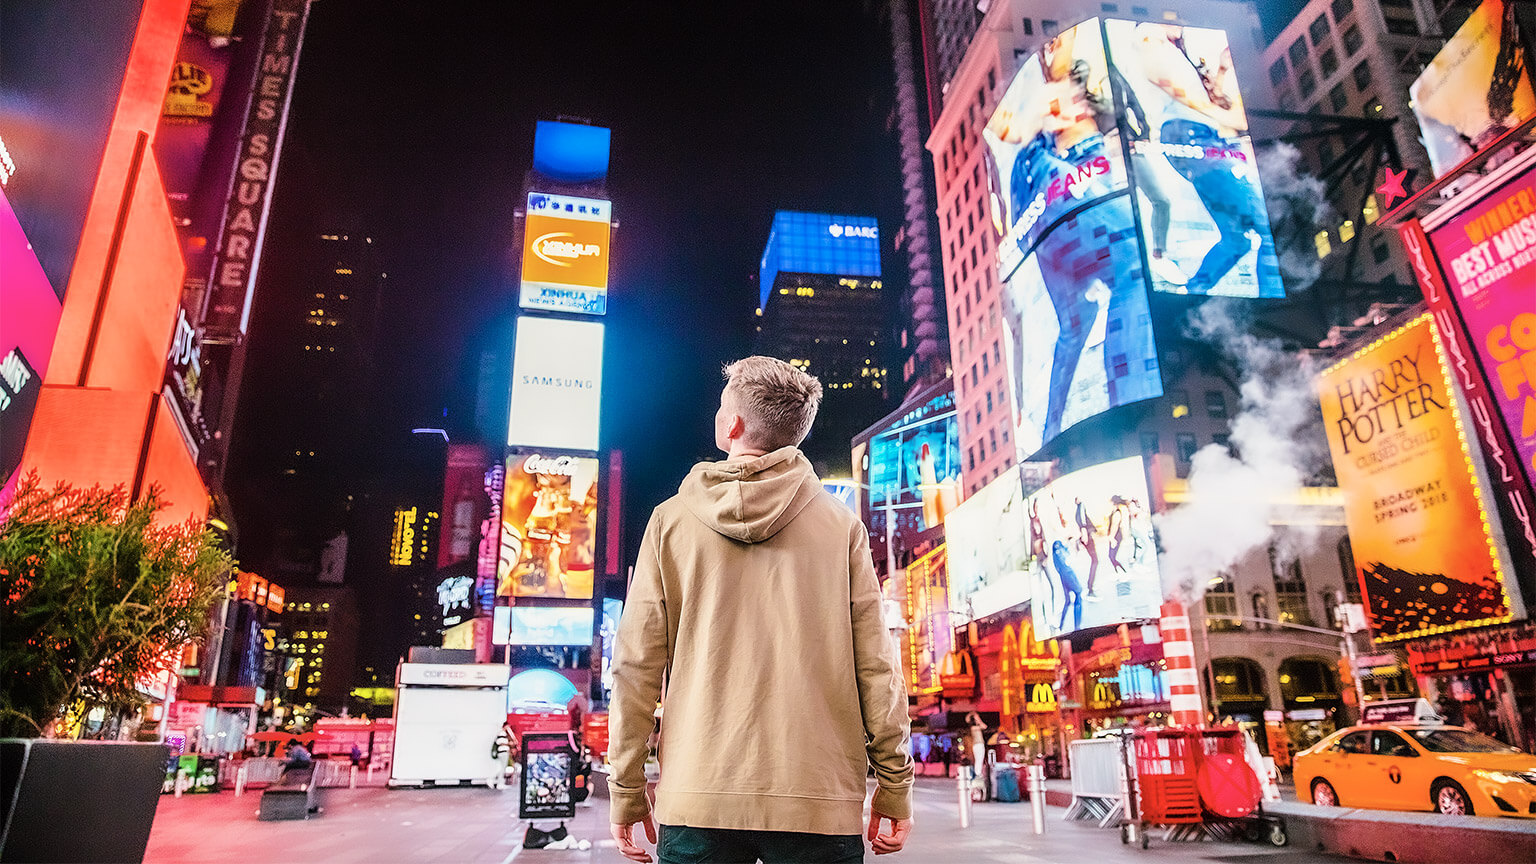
(1393, 186)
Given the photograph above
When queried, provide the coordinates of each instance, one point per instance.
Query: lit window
(1347, 231)
(1323, 245)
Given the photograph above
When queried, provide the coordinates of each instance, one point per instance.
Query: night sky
(416, 120)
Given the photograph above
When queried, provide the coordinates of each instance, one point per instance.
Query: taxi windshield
(1459, 741)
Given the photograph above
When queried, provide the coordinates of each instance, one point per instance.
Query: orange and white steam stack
(1179, 670)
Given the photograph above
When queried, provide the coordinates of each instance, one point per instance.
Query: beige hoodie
(754, 596)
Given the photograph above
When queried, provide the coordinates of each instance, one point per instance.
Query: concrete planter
(78, 801)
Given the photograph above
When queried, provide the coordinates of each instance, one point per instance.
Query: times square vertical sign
(250, 196)
(1475, 259)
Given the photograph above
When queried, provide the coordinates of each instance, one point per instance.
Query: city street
(480, 825)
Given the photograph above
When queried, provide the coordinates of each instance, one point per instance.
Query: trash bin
(1005, 783)
(1052, 766)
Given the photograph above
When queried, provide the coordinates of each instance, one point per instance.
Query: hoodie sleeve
(882, 689)
(639, 661)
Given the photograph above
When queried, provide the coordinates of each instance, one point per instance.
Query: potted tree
(96, 595)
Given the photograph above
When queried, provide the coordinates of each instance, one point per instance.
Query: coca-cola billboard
(548, 526)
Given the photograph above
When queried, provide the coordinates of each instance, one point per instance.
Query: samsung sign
(557, 374)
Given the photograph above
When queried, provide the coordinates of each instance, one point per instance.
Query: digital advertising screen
(565, 254)
(1488, 255)
(571, 152)
(1192, 161)
(1418, 522)
(551, 625)
(1078, 325)
(913, 468)
(613, 611)
(1092, 559)
(27, 328)
(549, 526)
(557, 380)
(989, 549)
(928, 636)
(1477, 88)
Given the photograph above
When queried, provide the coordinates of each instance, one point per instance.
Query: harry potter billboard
(1424, 548)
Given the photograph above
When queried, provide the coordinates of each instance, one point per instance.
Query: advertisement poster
(1418, 524)
(913, 470)
(550, 625)
(1092, 560)
(1488, 255)
(557, 380)
(988, 550)
(1192, 161)
(1079, 331)
(27, 328)
(547, 789)
(1051, 141)
(928, 636)
(1078, 328)
(1477, 88)
(549, 526)
(565, 254)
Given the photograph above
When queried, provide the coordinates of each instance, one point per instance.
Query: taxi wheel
(1323, 794)
(1450, 798)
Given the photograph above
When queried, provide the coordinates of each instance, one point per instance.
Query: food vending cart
(447, 719)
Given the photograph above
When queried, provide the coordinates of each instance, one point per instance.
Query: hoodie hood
(751, 499)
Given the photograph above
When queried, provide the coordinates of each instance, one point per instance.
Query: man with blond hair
(754, 598)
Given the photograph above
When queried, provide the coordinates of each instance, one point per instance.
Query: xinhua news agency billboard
(557, 377)
(565, 254)
(1117, 159)
(1418, 521)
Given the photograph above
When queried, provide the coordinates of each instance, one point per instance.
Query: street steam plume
(1235, 497)
(1297, 209)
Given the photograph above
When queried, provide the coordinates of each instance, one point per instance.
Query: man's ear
(735, 427)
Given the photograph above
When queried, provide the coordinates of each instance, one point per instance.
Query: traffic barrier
(1098, 786)
(1409, 838)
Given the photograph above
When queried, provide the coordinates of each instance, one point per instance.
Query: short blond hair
(777, 401)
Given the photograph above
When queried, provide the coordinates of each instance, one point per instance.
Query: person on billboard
(755, 598)
(1063, 165)
(1085, 538)
(1202, 123)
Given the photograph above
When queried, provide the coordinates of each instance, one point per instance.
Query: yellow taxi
(1416, 765)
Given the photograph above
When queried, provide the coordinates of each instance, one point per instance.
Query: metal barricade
(1098, 787)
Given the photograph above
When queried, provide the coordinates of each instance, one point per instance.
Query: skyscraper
(821, 308)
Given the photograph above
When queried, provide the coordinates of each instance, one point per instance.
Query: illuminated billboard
(550, 625)
(1051, 141)
(1477, 88)
(27, 328)
(571, 152)
(1418, 522)
(911, 464)
(989, 549)
(823, 243)
(557, 377)
(1192, 161)
(565, 254)
(928, 636)
(1092, 560)
(1077, 322)
(1488, 256)
(549, 526)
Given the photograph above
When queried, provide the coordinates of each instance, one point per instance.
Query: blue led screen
(819, 243)
(914, 466)
(571, 152)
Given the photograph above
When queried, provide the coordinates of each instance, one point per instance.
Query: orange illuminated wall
(100, 417)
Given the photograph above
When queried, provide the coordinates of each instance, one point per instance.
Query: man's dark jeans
(680, 844)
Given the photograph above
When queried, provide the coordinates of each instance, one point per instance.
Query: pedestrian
(357, 755)
(754, 596)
